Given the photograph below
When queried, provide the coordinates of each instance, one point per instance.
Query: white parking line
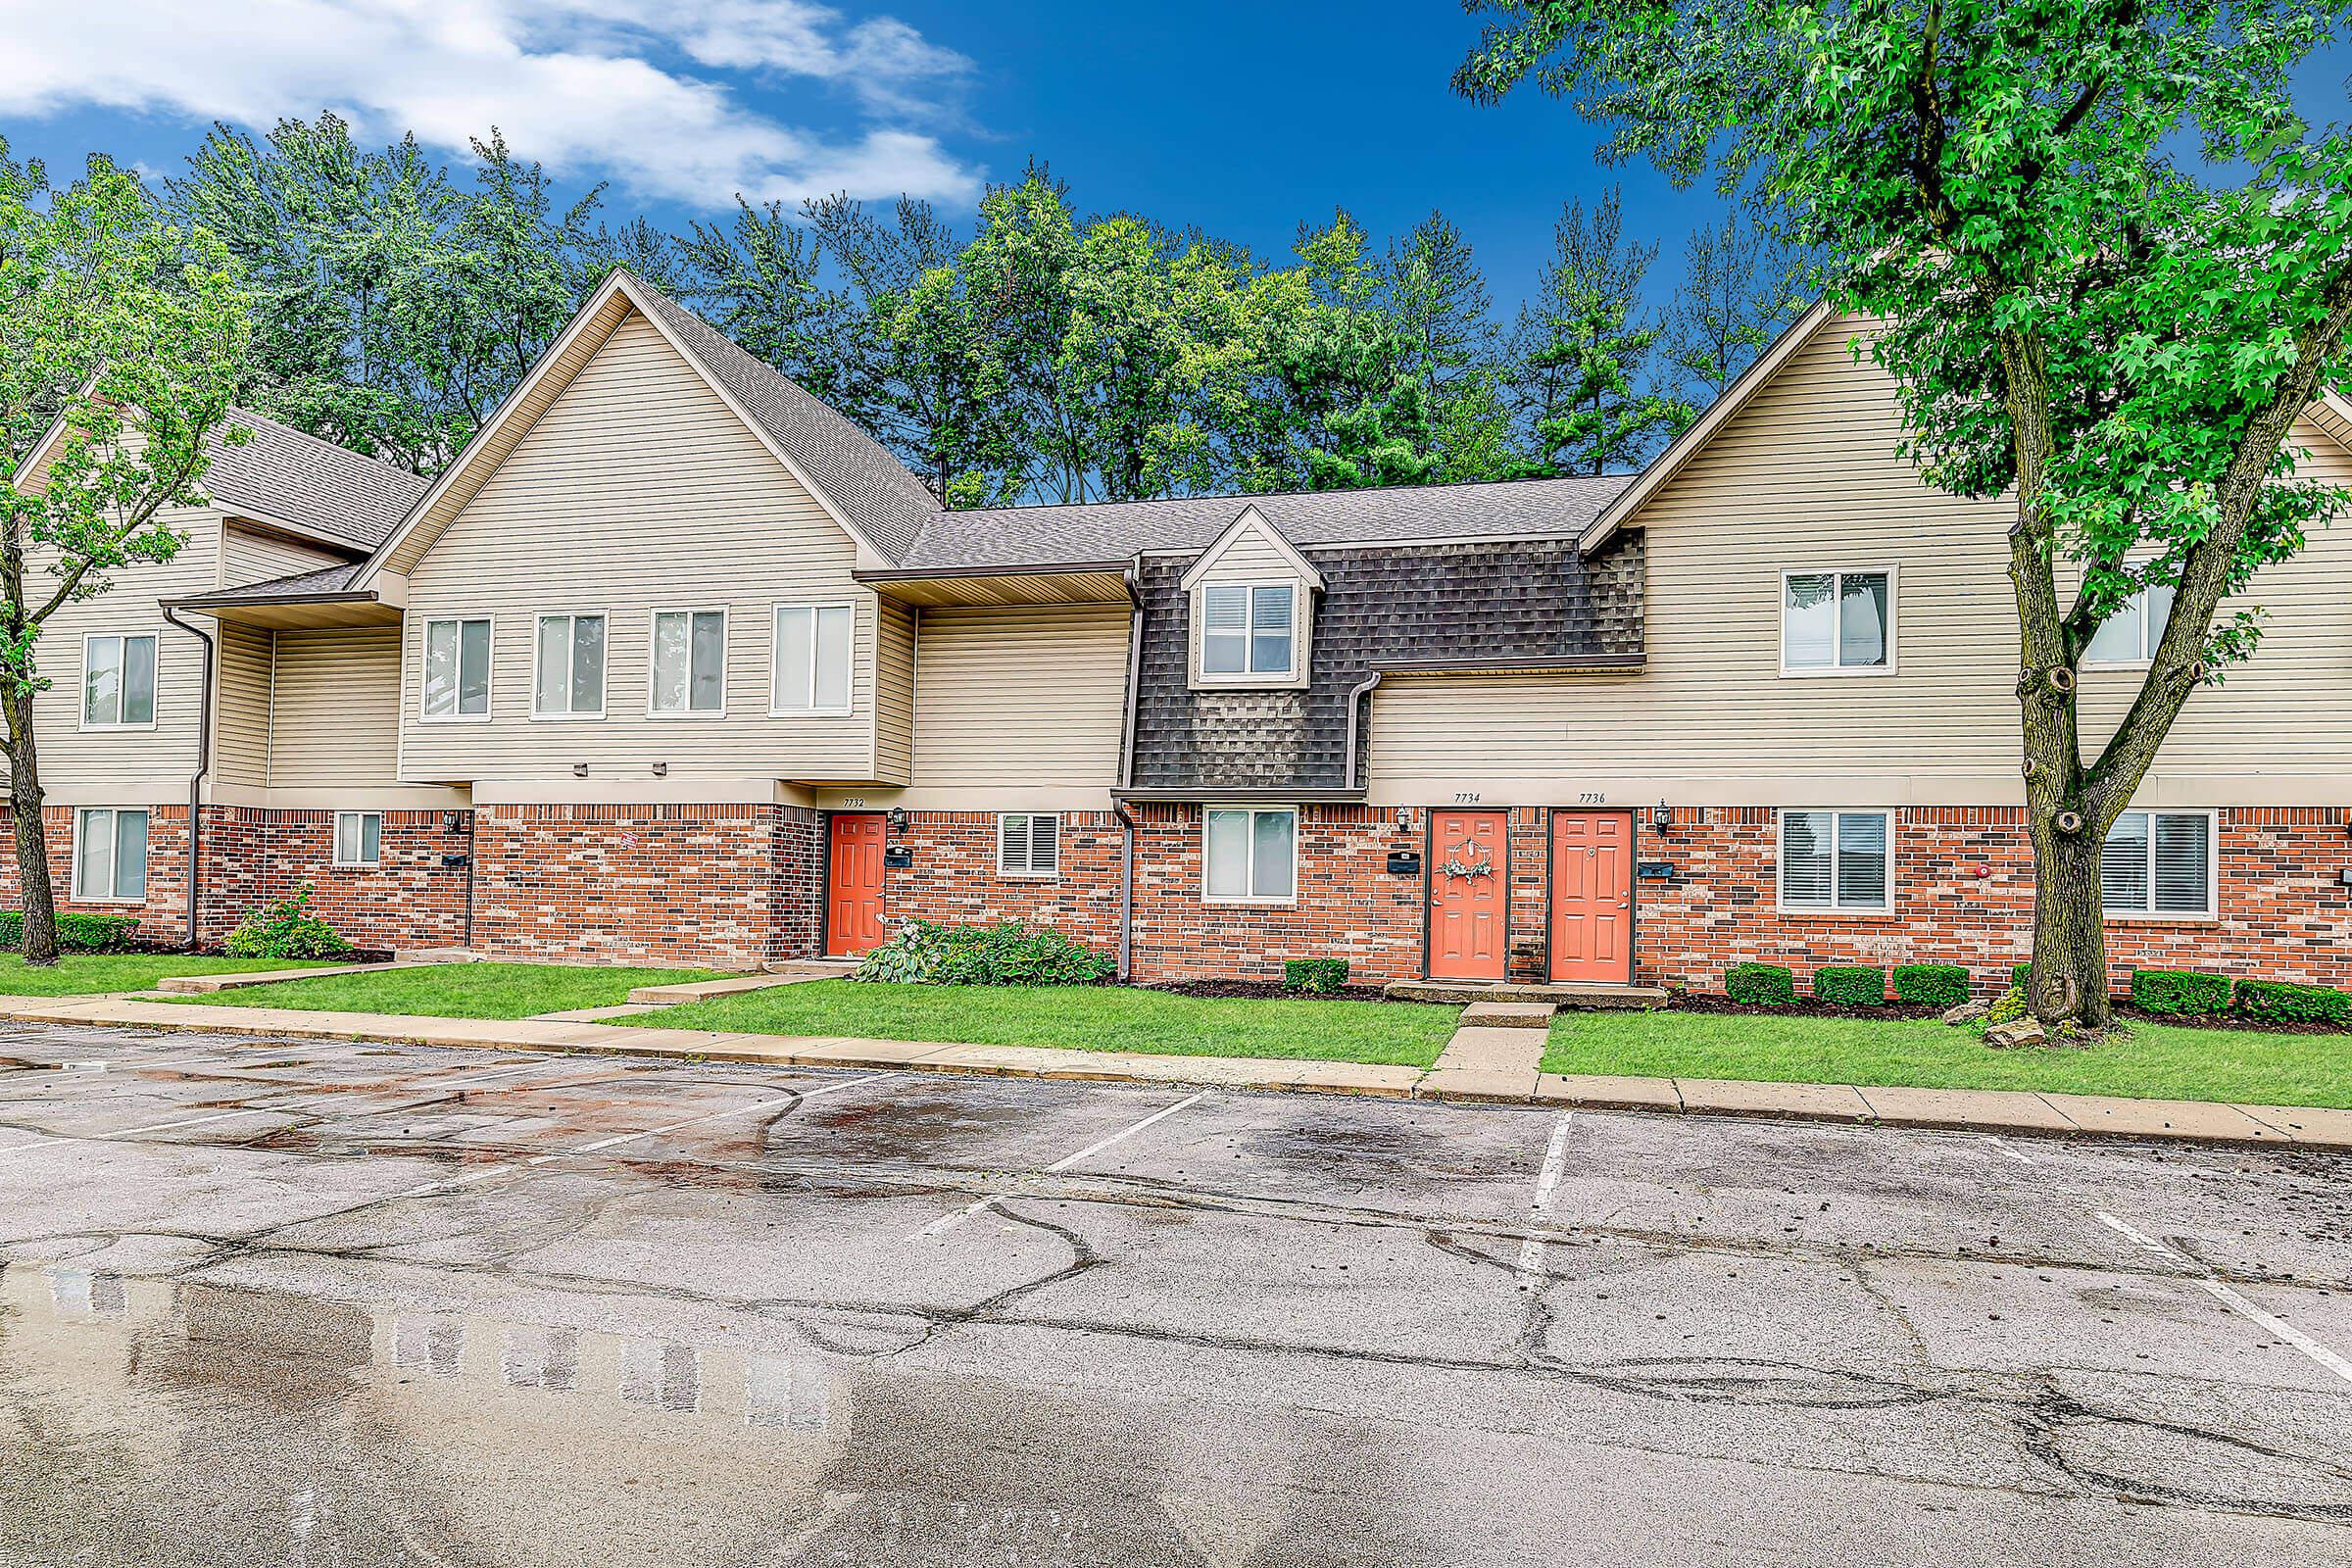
(133, 1132)
(1548, 1181)
(2022, 1157)
(950, 1222)
(2237, 1303)
(488, 1172)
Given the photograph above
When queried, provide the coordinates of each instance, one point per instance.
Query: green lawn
(2158, 1062)
(458, 990)
(1081, 1018)
(83, 974)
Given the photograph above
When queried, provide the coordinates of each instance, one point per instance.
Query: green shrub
(1760, 985)
(1850, 985)
(1931, 985)
(287, 929)
(2279, 1001)
(1317, 977)
(2018, 973)
(2007, 1008)
(76, 933)
(2183, 993)
(1009, 955)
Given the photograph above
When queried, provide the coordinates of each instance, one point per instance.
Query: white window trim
(82, 699)
(1780, 862)
(74, 885)
(424, 638)
(606, 695)
(341, 863)
(1894, 596)
(1034, 817)
(1252, 901)
(653, 621)
(2149, 637)
(1202, 675)
(775, 654)
(2213, 873)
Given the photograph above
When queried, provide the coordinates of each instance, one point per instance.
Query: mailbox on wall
(1404, 863)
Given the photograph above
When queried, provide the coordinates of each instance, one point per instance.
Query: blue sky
(1242, 118)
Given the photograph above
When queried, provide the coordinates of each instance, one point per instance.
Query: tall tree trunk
(2068, 982)
(32, 840)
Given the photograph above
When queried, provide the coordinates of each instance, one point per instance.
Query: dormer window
(1249, 629)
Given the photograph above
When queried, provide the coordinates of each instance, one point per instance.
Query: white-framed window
(358, 838)
(1028, 844)
(810, 669)
(118, 682)
(1250, 855)
(1835, 860)
(457, 668)
(689, 664)
(1249, 629)
(569, 679)
(109, 855)
(2159, 862)
(1838, 622)
(2130, 636)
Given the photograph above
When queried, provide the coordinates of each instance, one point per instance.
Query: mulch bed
(1805, 1007)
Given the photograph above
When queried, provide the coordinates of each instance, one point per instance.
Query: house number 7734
(1465, 797)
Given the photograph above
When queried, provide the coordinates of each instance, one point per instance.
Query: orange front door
(853, 885)
(1592, 896)
(1469, 914)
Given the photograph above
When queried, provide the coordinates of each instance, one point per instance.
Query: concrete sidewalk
(1998, 1112)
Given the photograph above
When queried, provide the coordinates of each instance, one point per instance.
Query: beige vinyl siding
(241, 707)
(335, 723)
(135, 766)
(1252, 558)
(1806, 479)
(1032, 698)
(638, 490)
(249, 556)
(894, 682)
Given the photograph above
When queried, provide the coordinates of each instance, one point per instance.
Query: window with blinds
(1028, 845)
(1833, 860)
(1247, 630)
(2158, 863)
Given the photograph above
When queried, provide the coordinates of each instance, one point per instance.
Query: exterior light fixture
(579, 771)
(1661, 816)
(896, 816)
(660, 771)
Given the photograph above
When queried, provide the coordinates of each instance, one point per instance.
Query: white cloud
(590, 87)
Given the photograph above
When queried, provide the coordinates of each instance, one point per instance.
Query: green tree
(129, 337)
(2080, 313)
(1739, 290)
(1582, 350)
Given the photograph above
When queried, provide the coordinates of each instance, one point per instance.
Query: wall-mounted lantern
(896, 817)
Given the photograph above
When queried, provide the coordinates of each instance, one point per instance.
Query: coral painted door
(853, 885)
(1469, 917)
(1592, 896)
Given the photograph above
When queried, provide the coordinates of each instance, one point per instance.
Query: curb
(2008, 1112)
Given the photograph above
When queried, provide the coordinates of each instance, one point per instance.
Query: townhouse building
(675, 663)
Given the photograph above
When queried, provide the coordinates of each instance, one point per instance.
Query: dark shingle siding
(1490, 603)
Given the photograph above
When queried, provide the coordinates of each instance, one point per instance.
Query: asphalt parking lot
(324, 1303)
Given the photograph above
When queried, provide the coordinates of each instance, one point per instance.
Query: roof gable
(1251, 523)
(850, 474)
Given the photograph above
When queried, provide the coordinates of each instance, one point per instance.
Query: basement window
(110, 856)
(1028, 844)
(1833, 860)
(1250, 855)
(358, 838)
(2158, 863)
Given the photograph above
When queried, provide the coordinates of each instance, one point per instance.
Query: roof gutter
(1029, 569)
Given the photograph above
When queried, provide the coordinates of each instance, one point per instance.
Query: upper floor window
(570, 679)
(2130, 636)
(457, 668)
(811, 673)
(118, 682)
(1248, 629)
(1833, 860)
(110, 856)
(1028, 845)
(1837, 622)
(358, 838)
(690, 664)
(2158, 863)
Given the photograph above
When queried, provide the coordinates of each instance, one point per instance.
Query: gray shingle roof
(291, 477)
(301, 585)
(876, 492)
(1113, 530)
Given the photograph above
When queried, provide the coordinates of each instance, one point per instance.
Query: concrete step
(436, 955)
(1494, 1050)
(1564, 995)
(1508, 1014)
(667, 995)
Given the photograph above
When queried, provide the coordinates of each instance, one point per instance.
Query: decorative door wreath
(1458, 861)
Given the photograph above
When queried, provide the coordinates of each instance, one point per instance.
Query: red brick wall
(955, 880)
(2283, 914)
(1348, 907)
(411, 900)
(163, 917)
(796, 883)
